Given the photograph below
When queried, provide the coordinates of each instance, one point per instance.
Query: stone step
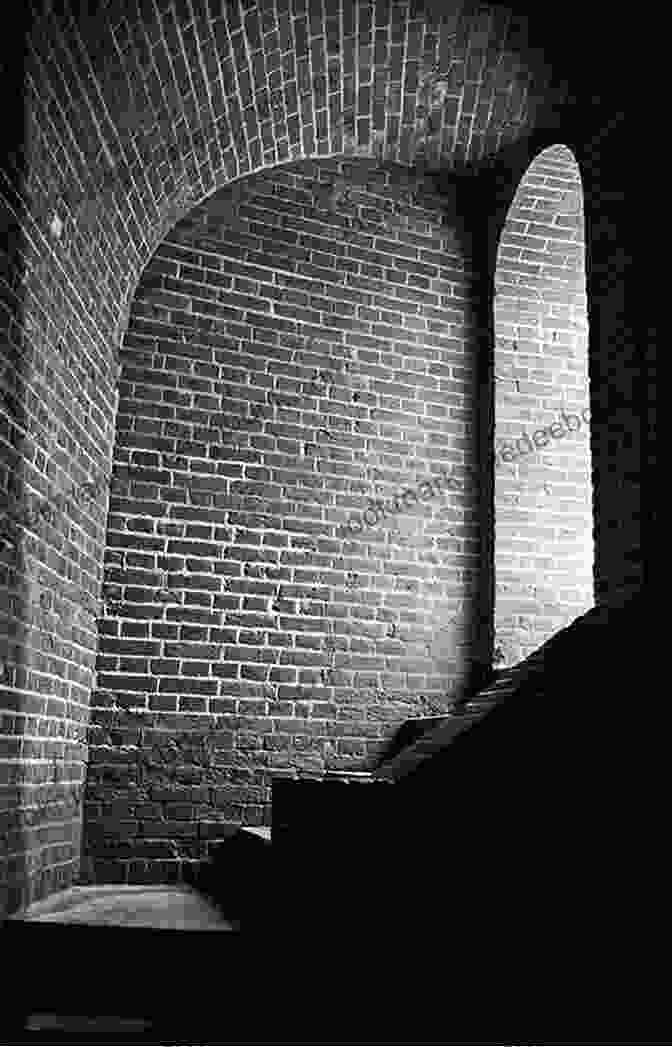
(583, 647)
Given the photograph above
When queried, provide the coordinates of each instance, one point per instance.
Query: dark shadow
(467, 203)
(236, 877)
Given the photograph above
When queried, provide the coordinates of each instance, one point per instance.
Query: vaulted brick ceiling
(185, 97)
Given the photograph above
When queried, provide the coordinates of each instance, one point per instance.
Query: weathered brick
(279, 266)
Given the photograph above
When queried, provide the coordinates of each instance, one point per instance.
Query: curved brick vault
(134, 116)
(147, 113)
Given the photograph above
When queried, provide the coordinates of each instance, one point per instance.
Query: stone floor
(179, 908)
(114, 905)
(154, 912)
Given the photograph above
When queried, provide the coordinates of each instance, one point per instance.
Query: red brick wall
(543, 485)
(291, 355)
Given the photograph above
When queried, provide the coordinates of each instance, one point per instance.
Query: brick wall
(543, 486)
(303, 344)
(133, 117)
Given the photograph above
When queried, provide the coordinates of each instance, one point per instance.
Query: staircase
(500, 804)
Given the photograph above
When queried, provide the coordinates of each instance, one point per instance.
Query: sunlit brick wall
(543, 485)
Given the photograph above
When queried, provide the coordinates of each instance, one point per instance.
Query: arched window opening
(543, 492)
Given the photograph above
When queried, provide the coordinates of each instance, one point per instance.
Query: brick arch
(543, 528)
(282, 638)
(174, 102)
(116, 153)
(134, 120)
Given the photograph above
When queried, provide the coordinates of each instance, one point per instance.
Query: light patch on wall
(56, 227)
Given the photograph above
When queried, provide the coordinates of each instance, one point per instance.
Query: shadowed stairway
(496, 839)
(506, 820)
